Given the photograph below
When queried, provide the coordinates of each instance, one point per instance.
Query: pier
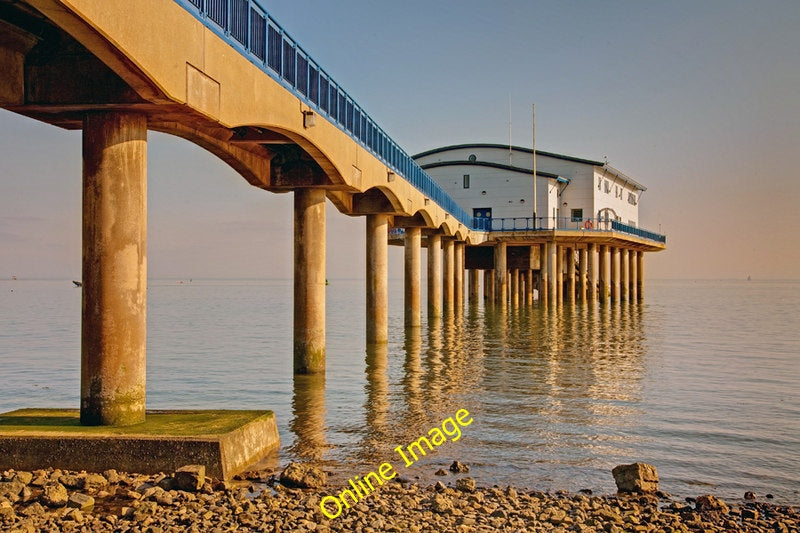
(226, 76)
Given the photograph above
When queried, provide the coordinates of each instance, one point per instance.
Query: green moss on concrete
(156, 424)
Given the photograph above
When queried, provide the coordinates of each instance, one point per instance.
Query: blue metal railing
(247, 26)
(564, 223)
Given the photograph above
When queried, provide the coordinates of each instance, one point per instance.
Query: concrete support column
(514, 290)
(412, 273)
(488, 285)
(640, 275)
(458, 275)
(582, 268)
(377, 279)
(623, 275)
(571, 275)
(448, 275)
(603, 267)
(434, 276)
(614, 274)
(632, 275)
(544, 275)
(560, 273)
(474, 286)
(114, 273)
(529, 287)
(500, 274)
(309, 281)
(552, 264)
(591, 267)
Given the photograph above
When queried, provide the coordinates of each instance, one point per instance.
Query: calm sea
(702, 380)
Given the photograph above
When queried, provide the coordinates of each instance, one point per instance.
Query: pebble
(139, 503)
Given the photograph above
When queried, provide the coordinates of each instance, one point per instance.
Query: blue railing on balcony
(247, 26)
(562, 223)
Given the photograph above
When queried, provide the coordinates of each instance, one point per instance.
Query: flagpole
(533, 111)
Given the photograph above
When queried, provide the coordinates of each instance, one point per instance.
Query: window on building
(577, 215)
(632, 198)
(466, 181)
(607, 185)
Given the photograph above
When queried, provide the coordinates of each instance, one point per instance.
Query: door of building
(483, 218)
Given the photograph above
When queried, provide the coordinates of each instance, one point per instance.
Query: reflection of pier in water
(545, 384)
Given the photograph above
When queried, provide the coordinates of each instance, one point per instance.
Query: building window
(607, 187)
(632, 198)
(577, 215)
(466, 181)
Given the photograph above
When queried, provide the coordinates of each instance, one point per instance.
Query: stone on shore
(82, 502)
(466, 484)
(459, 467)
(190, 477)
(55, 495)
(636, 477)
(708, 503)
(303, 476)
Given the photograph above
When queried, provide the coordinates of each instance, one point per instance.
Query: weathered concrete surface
(309, 281)
(500, 274)
(434, 276)
(412, 273)
(377, 279)
(226, 442)
(113, 333)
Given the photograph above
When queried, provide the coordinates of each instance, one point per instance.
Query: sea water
(701, 380)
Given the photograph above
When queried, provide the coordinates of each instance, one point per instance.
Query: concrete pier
(377, 279)
(514, 290)
(614, 274)
(448, 276)
(591, 268)
(603, 268)
(582, 270)
(640, 275)
(544, 273)
(474, 286)
(623, 275)
(500, 274)
(570, 275)
(309, 281)
(113, 329)
(434, 276)
(552, 265)
(411, 277)
(632, 275)
(458, 276)
(488, 285)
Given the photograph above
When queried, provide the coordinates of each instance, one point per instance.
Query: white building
(495, 182)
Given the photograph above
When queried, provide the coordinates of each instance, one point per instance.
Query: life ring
(588, 224)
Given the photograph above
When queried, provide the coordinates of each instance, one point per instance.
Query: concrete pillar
(582, 268)
(309, 281)
(632, 275)
(529, 287)
(614, 274)
(560, 274)
(603, 267)
(500, 274)
(434, 276)
(591, 267)
(514, 289)
(377, 279)
(412, 273)
(448, 275)
(113, 310)
(488, 283)
(571, 275)
(640, 275)
(544, 275)
(458, 276)
(552, 263)
(474, 286)
(623, 275)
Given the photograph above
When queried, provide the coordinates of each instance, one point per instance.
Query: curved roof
(505, 146)
(490, 164)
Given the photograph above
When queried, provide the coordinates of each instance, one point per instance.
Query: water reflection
(308, 417)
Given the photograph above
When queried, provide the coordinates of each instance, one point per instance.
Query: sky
(699, 101)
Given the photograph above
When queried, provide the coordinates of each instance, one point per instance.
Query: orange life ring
(588, 224)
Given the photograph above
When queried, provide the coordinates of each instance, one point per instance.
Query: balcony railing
(248, 28)
(562, 223)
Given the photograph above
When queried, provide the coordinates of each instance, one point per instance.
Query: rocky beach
(54, 500)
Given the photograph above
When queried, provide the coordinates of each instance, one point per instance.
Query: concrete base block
(226, 442)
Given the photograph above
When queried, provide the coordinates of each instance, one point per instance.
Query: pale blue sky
(699, 101)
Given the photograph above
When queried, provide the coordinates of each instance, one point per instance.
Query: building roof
(490, 164)
(608, 168)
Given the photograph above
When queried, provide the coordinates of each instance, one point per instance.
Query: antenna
(510, 152)
(533, 112)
